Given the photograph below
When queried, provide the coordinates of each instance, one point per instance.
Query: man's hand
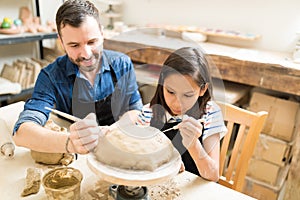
(190, 130)
(84, 135)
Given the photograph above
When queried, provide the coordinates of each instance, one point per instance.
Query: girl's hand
(84, 135)
(182, 167)
(105, 129)
(190, 130)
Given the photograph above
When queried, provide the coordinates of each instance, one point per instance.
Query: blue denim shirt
(54, 87)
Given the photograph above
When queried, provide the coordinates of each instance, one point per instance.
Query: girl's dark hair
(74, 12)
(186, 61)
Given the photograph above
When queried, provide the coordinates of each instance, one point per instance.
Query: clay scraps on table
(32, 182)
(167, 191)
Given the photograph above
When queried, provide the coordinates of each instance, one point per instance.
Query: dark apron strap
(102, 108)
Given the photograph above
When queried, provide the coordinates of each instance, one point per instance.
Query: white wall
(277, 21)
(48, 10)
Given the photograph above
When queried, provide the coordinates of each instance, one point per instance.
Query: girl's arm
(206, 157)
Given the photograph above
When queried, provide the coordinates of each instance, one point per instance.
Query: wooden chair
(238, 144)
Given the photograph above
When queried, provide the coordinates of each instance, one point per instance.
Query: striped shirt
(213, 119)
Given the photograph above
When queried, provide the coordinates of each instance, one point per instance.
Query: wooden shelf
(209, 31)
(9, 98)
(25, 37)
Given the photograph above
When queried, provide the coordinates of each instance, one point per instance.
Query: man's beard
(89, 68)
(96, 57)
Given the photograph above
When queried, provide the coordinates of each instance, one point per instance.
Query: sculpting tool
(65, 115)
(176, 126)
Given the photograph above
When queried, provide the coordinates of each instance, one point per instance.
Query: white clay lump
(135, 148)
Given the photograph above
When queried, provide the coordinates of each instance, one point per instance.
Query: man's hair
(74, 12)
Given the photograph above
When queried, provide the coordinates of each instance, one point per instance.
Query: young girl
(184, 97)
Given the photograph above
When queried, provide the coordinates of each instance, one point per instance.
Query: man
(88, 82)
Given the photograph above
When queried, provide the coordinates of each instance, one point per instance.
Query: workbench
(13, 173)
(264, 69)
(187, 186)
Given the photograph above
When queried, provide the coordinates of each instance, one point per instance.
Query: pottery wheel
(135, 177)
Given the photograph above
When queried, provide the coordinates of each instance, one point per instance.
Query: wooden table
(13, 173)
(264, 69)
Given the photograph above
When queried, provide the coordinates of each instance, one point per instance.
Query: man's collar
(104, 63)
(71, 68)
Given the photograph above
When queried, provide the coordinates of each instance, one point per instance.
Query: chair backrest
(238, 144)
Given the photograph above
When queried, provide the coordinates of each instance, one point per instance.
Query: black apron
(176, 138)
(102, 108)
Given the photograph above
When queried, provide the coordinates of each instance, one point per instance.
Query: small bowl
(62, 183)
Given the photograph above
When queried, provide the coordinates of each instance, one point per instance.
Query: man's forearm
(38, 138)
